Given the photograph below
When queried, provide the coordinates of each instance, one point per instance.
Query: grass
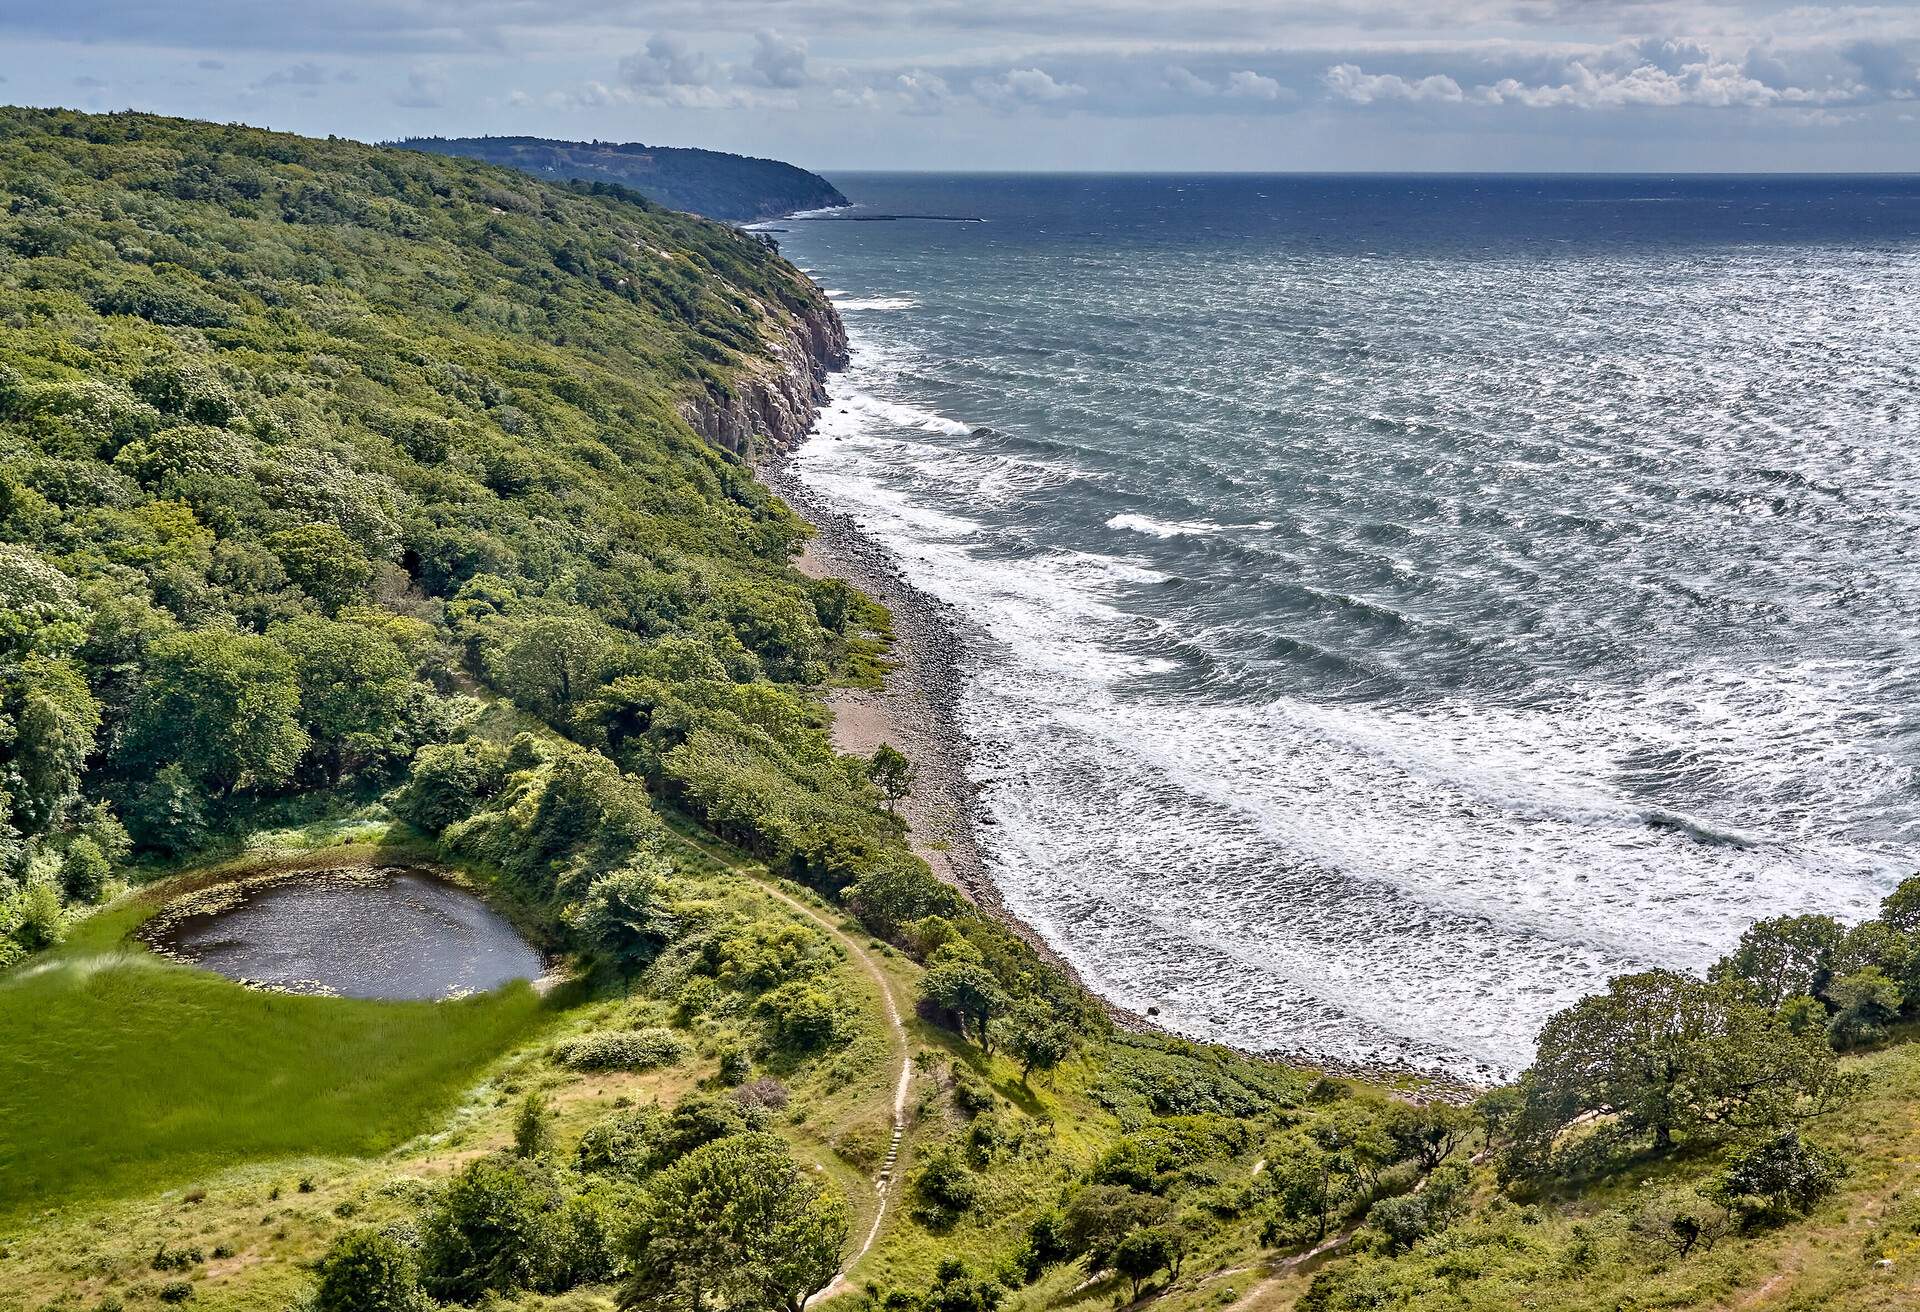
(126, 1073)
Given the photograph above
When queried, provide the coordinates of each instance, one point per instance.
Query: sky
(841, 85)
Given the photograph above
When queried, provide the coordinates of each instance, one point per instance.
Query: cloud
(1348, 82)
(1019, 88)
(1639, 75)
(88, 83)
(426, 88)
(778, 61)
(210, 65)
(1185, 81)
(1249, 85)
(666, 62)
(1710, 84)
(920, 92)
(304, 74)
(1890, 69)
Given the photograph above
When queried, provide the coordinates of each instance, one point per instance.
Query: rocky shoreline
(918, 709)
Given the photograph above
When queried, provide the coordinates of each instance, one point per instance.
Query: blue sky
(1025, 84)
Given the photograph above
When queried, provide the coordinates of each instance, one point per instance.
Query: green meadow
(127, 1073)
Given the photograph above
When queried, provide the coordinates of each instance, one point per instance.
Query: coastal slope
(360, 505)
(713, 183)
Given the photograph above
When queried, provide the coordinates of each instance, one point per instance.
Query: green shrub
(624, 1050)
(1779, 1177)
(945, 1187)
(368, 1271)
(39, 920)
(626, 1145)
(491, 1229)
(804, 1017)
(84, 870)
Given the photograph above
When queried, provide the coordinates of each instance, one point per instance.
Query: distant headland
(734, 188)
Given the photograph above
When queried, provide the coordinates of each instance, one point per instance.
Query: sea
(1404, 602)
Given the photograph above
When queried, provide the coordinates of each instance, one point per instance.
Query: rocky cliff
(773, 404)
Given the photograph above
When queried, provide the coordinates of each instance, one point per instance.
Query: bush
(368, 1271)
(84, 870)
(971, 1094)
(1781, 1177)
(626, 1145)
(945, 1187)
(505, 1224)
(805, 1018)
(957, 1289)
(1408, 1218)
(449, 782)
(166, 814)
(631, 914)
(40, 921)
(765, 1093)
(1865, 1003)
(623, 1050)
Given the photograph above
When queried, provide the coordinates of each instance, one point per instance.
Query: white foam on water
(843, 301)
(1422, 880)
(850, 412)
(1162, 529)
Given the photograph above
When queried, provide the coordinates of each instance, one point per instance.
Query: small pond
(357, 931)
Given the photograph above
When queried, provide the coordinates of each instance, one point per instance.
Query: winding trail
(883, 1183)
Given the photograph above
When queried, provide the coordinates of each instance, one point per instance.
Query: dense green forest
(347, 496)
(736, 188)
(302, 439)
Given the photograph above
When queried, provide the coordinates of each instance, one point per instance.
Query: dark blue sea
(1412, 600)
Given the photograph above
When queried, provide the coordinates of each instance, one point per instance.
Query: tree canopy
(736, 1223)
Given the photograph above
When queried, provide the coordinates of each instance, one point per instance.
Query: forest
(348, 505)
(733, 188)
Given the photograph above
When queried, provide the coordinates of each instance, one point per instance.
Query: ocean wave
(1382, 709)
(844, 302)
(849, 411)
(1161, 528)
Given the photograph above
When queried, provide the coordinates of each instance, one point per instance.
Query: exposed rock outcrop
(773, 404)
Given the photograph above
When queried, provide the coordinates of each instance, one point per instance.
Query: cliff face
(774, 403)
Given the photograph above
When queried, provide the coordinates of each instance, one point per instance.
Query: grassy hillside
(349, 492)
(710, 182)
(128, 1073)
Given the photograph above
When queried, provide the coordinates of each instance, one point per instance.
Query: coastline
(917, 712)
(917, 708)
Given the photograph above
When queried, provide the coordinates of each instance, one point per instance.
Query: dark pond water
(358, 932)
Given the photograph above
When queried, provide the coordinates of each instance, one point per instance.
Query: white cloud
(1185, 81)
(1249, 85)
(1023, 87)
(1716, 85)
(1348, 82)
(920, 92)
(666, 62)
(1644, 74)
(778, 61)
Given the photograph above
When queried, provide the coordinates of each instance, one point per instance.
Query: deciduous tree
(224, 707)
(739, 1224)
(1668, 1057)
